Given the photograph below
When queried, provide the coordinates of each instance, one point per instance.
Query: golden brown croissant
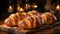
(28, 21)
(8, 22)
(48, 17)
(21, 15)
(32, 19)
(16, 17)
(39, 20)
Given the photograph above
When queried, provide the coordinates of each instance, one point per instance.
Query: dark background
(4, 5)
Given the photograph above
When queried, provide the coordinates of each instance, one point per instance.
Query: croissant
(16, 17)
(49, 18)
(21, 15)
(32, 19)
(39, 20)
(8, 22)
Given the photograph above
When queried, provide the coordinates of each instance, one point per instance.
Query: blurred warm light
(27, 6)
(21, 9)
(18, 7)
(10, 9)
(35, 6)
(57, 7)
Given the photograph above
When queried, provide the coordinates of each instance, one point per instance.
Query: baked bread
(14, 18)
(32, 19)
(39, 20)
(49, 18)
(21, 15)
(8, 22)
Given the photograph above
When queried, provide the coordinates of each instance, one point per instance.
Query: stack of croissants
(31, 19)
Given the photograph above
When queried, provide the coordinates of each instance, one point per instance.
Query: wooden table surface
(55, 30)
